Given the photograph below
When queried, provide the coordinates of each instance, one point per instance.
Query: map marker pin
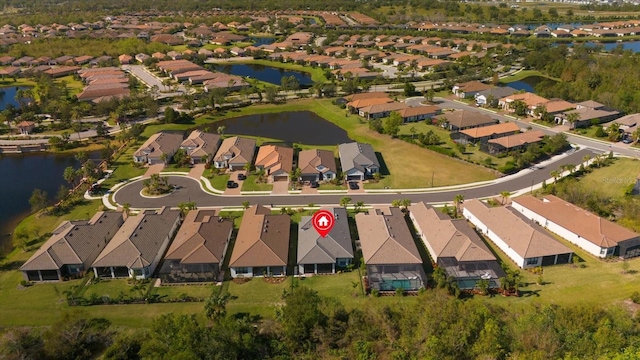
(323, 222)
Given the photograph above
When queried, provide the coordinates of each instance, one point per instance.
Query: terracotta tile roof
(528, 98)
(202, 238)
(587, 225)
(275, 159)
(360, 103)
(557, 105)
(386, 107)
(263, 239)
(419, 110)
(525, 239)
(309, 161)
(366, 95)
(511, 141)
(498, 129)
(386, 239)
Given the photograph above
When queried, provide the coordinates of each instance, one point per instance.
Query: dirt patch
(241, 280)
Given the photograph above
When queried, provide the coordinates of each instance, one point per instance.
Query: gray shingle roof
(357, 156)
(314, 249)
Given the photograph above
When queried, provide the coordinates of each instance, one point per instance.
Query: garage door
(354, 177)
(280, 178)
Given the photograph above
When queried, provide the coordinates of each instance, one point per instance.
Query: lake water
(20, 174)
(626, 45)
(265, 73)
(302, 127)
(257, 41)
(7, 96)
(527, 84)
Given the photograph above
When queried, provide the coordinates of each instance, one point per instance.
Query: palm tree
(69, 175)
(344, 202)
(572, 118)
(245, 205)
(458, 200)
(126, 208)
(555, 174)
(358, 206)
(76, 114)
(221, 130)
(505, 195)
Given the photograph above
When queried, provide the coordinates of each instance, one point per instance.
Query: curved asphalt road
(190, 191)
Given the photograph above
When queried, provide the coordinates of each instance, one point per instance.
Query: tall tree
(38, 200)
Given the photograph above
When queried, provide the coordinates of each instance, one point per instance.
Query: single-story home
(515, 142)
(234, 153)
(588, 112)
(358, 160)
(276, 161)
(597, 236)
(159, 148)
(197, 252)
(389, 251)
(490, 97)
(469, 89)
(137, 247)
(418, 113)
(26, 127)
(317, 165)
(201, 146)
(379, 111)
(455, 247)
(485, 133)
(323, 255)
(524, 242)
(262, 244)
(465, 119)
(72, 248)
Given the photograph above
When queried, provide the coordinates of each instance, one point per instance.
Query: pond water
(265, 73)
(608, 46)
(257, 41)
(8, 95)
(527, 84)
(302, 127)
(20, 174)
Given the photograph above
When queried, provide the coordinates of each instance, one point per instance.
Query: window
(137, 272)
(603, 251)
(532, 261)
(242, 270)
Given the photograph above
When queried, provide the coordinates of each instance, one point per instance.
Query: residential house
(358, 160)
(465, 119)
(597, 236)
(531, 101)
(469, 89)
(490, 97)
(201, 146)
(317, 165)
(9, 71)
(324, 254)
(355, 105)
(262, 244)
(26, 127)
(455, 247)
(511, 143)
(125, 59)
(485, 133)
(234, 153)
(72, 248)
(159, 148)
(389, 251)
(524, 242)
(137, 247)
(588, 112)
(197, 252)
(557, 106)
(276, 161)
(418, 113)
(628, 123)
(379, 111)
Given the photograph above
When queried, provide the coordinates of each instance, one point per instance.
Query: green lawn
(329, 186)
(590, 132)
(7, 82)
(525, 74)
(176, 291)
(257, 296)
(124, 168)
(219, 182)
(75, 86)
(111, 288)
(250, 184)
(612, 180)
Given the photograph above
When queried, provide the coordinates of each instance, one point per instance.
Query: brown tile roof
(449, 238)
(263, 239)
(309, 160)
(525, 239)
(557, 105)
(473, 86)
(378, 108)
(498, 129)
(419, 110)
(360, 103)
(275, 159)
(237, 149)
(511, 141)
(465, 118)
(201, 144)
(366, 95)
(202, 238)
(386, 239)
(587, 225)
(528, 98)
(160, 143)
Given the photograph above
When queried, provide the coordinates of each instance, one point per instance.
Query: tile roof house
(513, 142)
(323, 255)
(588, 112)
(485, 133)
(159, 148)
(137, 247)
(494, 94)
(234, 153)
(276, 161)
(262, 244)
(628, 123)
(469, 89)
(197, 252)
(455, 247)
(383, 110)
(317, 165)
(201, 146)
(465, 119)
(418, 113)
(26, 127)
(598, 236)
(524, 242)
(72, 248)
(389, 251)
(358, 160)
(532, 101)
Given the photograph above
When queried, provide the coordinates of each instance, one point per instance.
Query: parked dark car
(353, 185)
(314, 185)
(242, 177)
(232, 184)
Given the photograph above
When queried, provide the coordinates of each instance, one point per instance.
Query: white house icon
(323, 222)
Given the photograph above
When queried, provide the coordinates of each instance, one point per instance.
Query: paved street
(189, 190)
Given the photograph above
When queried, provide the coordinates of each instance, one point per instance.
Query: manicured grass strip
(250, 184)
(219, 182)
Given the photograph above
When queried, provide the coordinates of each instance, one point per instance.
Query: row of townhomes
(358, 160)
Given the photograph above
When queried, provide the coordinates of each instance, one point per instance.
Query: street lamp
(532, 180)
